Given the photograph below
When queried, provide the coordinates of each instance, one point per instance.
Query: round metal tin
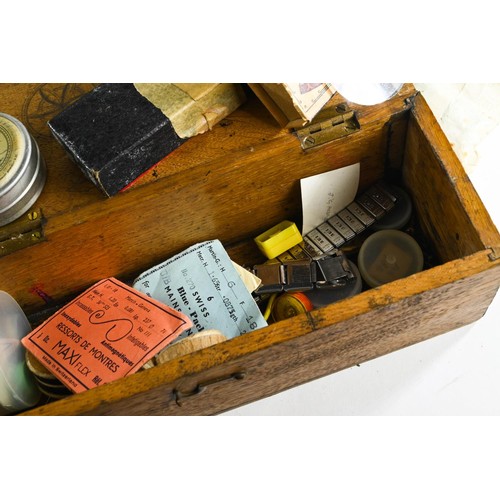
(290, 304)
(389, 255)
(22, 169)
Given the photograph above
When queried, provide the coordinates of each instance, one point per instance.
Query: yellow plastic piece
(269, 307)
(278, 239)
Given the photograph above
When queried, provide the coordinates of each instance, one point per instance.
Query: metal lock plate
(22, 233)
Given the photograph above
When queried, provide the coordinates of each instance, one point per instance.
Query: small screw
(341, 108)
(36, 235)
(309, 140)
(33, 215)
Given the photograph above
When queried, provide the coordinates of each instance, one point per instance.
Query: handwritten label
(324, 195)
(106, 333)
(309, 98)
(203, 283)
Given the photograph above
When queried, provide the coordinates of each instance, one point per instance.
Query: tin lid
(15, 147)
(290, 304)
(389, 255)
(22, 170)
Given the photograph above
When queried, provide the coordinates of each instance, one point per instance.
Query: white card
(324, 195)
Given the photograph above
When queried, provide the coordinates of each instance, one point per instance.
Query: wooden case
(232, 184)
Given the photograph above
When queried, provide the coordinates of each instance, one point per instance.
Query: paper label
(324, 195)
(193, 108)
(12, 146)
(309, 98)
(251, 281)
(106, 333)
(203, 283)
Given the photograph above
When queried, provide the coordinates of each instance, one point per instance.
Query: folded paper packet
(108, 332)
(293, 105)
(204, 284)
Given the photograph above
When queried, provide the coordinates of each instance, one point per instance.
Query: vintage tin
(22, 169)
(290, 304)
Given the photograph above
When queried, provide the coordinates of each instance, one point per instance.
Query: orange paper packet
(104, 334)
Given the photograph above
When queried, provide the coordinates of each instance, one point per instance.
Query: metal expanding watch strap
(328, 271)
(318, 262)
(367, 208)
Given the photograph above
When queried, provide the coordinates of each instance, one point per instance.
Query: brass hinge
(22, 233)
(341, 122)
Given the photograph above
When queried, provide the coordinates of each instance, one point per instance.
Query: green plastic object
(18, 390)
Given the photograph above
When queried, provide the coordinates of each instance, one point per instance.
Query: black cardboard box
(115, 134)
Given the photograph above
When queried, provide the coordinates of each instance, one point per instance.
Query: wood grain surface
(302, 348)
(448, 206)
(232, 183)
(231, 193)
